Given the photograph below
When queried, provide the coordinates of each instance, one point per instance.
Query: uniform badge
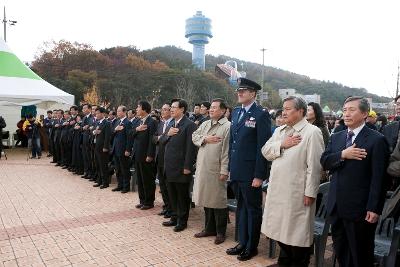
(250, 123)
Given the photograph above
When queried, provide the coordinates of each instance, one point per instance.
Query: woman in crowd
(316, 118)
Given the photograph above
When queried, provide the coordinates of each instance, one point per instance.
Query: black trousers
(87, 167)
(179, 198)
(216, 220)
(102, 167)
(163, 187)
(122, 165)
(292, 256)
(146, 181)
(249, 212)
(94, 168)
(57, 150)
(353, 242)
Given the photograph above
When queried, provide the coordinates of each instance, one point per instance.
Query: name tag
(250, 124)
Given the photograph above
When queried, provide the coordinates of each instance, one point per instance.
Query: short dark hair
(363, 105)
(181, 104)
(197, 105)
(113, 113)
(61, 111)
(49, 112)
(206, 104)
(88, 105)
(145, 105)
(278, 113)
(101, 109)
(397, 97)
(299, 103)
(221, 102)
(74, 108)
(123, 108)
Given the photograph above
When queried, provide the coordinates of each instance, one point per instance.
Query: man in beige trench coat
(294, 149)
(209, 190)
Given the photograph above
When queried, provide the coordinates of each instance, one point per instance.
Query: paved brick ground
(51, 218)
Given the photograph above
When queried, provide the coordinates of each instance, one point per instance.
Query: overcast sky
(356, 43)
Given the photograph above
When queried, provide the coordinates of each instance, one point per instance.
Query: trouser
(146, 182)
(102, 167)
(179, 197)
(292, 256)
(94, 167)
(216, 220)
(249, 211)
(353, 242)
(57, 153)
(34, 142)
(87, 167)
(123, 173)
(51, 144)
(163, 187)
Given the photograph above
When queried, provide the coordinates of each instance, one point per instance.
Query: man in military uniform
(250, 130)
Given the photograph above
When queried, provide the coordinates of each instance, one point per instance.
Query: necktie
(349, 141)
(241, 113)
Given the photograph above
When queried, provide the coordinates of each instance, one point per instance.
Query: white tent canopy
(20, 86)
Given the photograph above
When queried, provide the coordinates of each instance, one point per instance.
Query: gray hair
(299, 103)
(363, 102)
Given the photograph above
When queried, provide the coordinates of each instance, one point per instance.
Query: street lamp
(5, 22)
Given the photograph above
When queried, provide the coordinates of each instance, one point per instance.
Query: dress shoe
(84, 176)
(79, 173)
(124, 191)
(53, 161)
(167, 215)
(96, 185)
(247, 254)
(58, 165)
(139, 206)
(64, 167)
(103, 186)
(92, 180)
(116, 189)
(147, 207)
(219, 239)
(180, 227)
(204, 234)
(39, 157)
(169, 223)
(162, 213)
(235, 250)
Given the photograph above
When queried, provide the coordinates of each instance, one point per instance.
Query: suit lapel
(342, 140)
(361, 137)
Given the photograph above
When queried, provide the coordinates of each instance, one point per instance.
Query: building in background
(284, 93)
(198, 31)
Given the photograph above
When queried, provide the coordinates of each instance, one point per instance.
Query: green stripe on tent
(11, 66)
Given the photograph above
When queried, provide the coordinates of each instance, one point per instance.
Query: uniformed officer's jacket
(247, 137)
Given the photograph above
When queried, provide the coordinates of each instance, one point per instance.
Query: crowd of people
(295, 150)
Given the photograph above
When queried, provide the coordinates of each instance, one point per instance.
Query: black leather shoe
(124, 191)
(162, 213)
(247, 255)
(147, 207)
(169, 223)
(103, 186)
(53, 161)
(96, 185)
(180, 227)
(64, 167)
(139, 206)
(58, 164)
(84, 176)
(167, 215)
(116, 189)
(235, 250)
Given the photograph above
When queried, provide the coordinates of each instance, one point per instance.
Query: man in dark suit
(56, 138)
(179, 158)
(122, 148)
(87, 120)
(160, 150)
(102, 135)
(250, 130)
(391, 131)
(144, 154)
(47, 125)
(357, 160)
